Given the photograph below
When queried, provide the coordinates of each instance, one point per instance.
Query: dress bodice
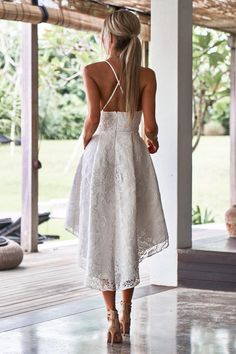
(119, 122)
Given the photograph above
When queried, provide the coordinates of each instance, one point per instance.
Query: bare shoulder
(147, 75)
(148, 79)
(147, 71)
(90, 69)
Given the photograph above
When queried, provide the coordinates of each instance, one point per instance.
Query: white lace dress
(114, 206)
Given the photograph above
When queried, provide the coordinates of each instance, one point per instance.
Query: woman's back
(105, 80)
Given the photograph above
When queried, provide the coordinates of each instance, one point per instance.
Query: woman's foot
(124, 317)
(113, 332)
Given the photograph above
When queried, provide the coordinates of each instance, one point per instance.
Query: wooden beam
(29, 137)
(61, 17)
(88, 15)
(97, 11)
(232, 43)
(215, 14)
(85, 16)
(145, 53)
(136, 5)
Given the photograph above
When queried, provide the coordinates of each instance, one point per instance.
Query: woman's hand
(152, 145)
(86, 141)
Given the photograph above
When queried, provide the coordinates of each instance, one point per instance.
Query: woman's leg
(110, 299)
(124, 318)
(114, 327)
(127, 294)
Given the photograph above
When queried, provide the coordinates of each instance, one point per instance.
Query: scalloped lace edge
(107, 284)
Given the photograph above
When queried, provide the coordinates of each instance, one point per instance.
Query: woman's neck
(115, 55)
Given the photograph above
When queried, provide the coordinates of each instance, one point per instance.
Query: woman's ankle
(113, 308)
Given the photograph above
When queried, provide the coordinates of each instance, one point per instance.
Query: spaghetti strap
(117, 85)
(112, 68)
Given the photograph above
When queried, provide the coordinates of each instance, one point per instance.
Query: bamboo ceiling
(217, 14)
(89, 14)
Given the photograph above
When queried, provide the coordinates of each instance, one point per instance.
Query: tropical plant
(10, 108)
(201, 217)
(211, 84)
(62, 54)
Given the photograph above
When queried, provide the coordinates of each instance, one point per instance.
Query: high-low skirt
(114, 206)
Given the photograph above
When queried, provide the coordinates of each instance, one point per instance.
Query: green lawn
(54, 182)
(210, 177)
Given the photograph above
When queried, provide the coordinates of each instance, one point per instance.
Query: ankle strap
(112, 314)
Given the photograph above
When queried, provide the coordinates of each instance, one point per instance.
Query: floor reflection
(176, 321)
(206, 321)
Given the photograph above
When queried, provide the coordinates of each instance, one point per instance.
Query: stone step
(207, 269)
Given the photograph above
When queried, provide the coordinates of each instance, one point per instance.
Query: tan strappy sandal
(113, 332)
(124, 317)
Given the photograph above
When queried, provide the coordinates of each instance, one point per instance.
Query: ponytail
(125, 26)
(131, 62)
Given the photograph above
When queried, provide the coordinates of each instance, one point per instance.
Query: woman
(115, 206)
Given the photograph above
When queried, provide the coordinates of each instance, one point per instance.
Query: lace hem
(106, 284)
(103, 284)
(153, 250)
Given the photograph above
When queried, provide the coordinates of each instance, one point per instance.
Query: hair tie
(133, 36)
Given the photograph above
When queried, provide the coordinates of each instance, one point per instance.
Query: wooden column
(232, 43)
(29, 137)
(145, 53)
(171, 58)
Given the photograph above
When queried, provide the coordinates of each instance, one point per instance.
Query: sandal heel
(124, 319)
(113, 327)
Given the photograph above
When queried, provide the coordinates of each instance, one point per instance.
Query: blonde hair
(125, 27)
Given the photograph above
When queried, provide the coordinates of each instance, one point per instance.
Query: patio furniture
(11, 254)
(13, 230)
(5, 222)
(4, 139)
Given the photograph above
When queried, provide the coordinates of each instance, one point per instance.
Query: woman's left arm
(93, 103)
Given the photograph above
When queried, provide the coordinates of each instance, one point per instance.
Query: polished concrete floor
(165, 321)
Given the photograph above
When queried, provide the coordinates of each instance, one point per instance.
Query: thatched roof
(217, 14)
(89, 14)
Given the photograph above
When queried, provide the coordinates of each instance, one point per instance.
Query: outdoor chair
(12, 230)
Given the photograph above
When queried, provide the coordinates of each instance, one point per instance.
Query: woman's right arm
(149, 107)
(93, 104)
